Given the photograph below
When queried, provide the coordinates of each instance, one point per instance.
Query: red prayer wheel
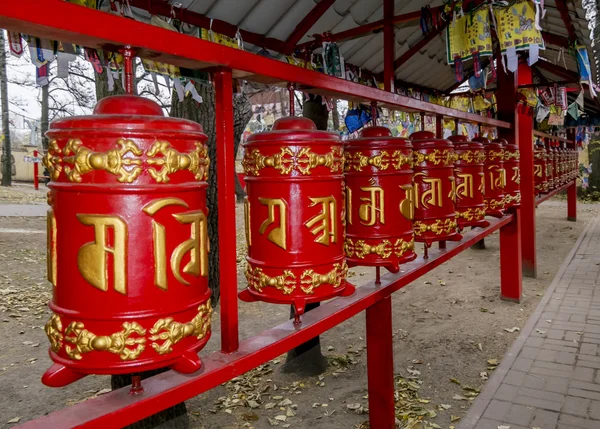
(539, 169)
(435, 189)
(550, 166)
(379, 205)
(127, 242)
(469, 177)
(556, 164)
(512, 190)
(295, 215)
(495, 177)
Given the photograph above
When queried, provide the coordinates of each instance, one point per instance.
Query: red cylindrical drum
(556, 164)
(550, 166)
(512, 191)
(561, 165)
(435, 189)
(539, 169)
(295, 215)
(379, 205)
(127, 241)
(495, 177)
(469, 177)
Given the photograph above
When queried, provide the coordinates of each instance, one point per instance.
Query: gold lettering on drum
(499, 181)
(431, 196)
(407, 206)
(92, 257)
(372, 209)
(482, 184)
(325, 222)
(277, 235)
(465, 187)
(538, 170)
(516, 178)
(51, 247)
(452, 193)
(196, 246)
(247, 222)
(349, 205)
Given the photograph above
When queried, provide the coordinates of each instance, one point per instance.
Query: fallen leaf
(503, 427)
(480, 347)
(269, 405)
(511, 330)
(459, 398)
(445, 406)
(15, 420)
(492, 361)
(539, 331)
(454, 419)
(427, 282)
(455, 381)
(281, 418)
(273, 422)
(353, 406)
(289, 412)
(484, 375)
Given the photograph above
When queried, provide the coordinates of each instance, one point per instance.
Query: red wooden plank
(306, 24)
(511, 276)
(380, 365)
(226, 195)
(118, 408)
(563, 9)
(59, 20)
(557, 70)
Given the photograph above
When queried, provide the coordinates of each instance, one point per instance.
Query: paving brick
(594, 410)
(514, 378)
(576, 406)
(578, 422)
(497, 410)
(584, 374)
(588, 349)
(557, 385)
(555, 366)
(536, 381)
(542, 394)
(519, 415)
(544, 419)
(529, 352)
(585, 386)
(523, 364)
(538, 403)
(506, 392)
(566, 358)
(584, 393)
(534, 342)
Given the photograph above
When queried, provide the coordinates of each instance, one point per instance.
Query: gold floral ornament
(54, 333)
(471, 213)
(438, 228)
(171, 332)
(172, 161)
(287, 161)
(383, 249)
(511, 155)
(258, 280)
(436, 157)
(469, 156)
(309, 280)
(52, 160)
(116, 343)
(494, 204)
(358, 161)
(399, 159)
(493, 155)
(112, 161)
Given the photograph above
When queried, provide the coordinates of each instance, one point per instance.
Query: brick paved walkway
(550, 378)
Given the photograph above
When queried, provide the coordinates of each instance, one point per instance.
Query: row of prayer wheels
(554, 166)
(316, 206)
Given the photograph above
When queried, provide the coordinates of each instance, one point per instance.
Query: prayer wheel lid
(377, 136)
(127, 105)
(294, 128)
(426, 139)
(463, 143)
(483, 140)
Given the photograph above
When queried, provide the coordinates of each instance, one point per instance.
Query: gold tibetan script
(349, 205)
(372, 209)
(407, 206)
(324, 223)
(538, 170)
(247, 222)
(196, 246)
(482, 184)
(92, 257)
(278, 234)
(500, 180)
(431, 196)
(516, 178)
(465, 188)
(452, 193)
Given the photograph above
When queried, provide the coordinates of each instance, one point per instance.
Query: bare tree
(6, 153)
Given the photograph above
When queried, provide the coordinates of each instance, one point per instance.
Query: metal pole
(226, 196)
(36, 182)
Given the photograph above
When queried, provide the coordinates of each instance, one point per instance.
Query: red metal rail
(46, 19)
(119, 408)
(554, 192)
(551, 137)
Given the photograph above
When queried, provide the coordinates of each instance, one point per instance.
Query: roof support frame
(306, 24)
(563, 9)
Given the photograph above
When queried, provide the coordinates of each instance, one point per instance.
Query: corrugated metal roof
(428, 68)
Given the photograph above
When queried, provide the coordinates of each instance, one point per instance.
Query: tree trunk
(242, 113)
(6, 153)
(204, 114)
(594, 159)
(335, 116)
(44, 125)
(307, 359)
(102, 83)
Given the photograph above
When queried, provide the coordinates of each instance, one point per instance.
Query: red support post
(380, 365)
(511, 275)
(572, 202)
(36, 182)
(226, 194)
(389, 45)
(524, 131)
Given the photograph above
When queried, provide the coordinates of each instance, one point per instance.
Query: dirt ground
(449, 327)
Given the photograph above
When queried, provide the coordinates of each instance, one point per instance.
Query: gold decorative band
(287, 281)
(472, 156)
(124, 161)
(357, 161)
(512, 199)
(494, 204)
(512, 155)
(288, 160)
(436, 156)
(493, 155)
(129, 342)
(471, 214)
(439, 227)
(360, 249)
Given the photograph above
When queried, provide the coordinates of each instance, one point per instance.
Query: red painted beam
(555, 40)
(68, 22)
(162, 8)
(118, 408)
(557, 70)
(306, 24)
(369, 28)
(389, 45)
(563, 9)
